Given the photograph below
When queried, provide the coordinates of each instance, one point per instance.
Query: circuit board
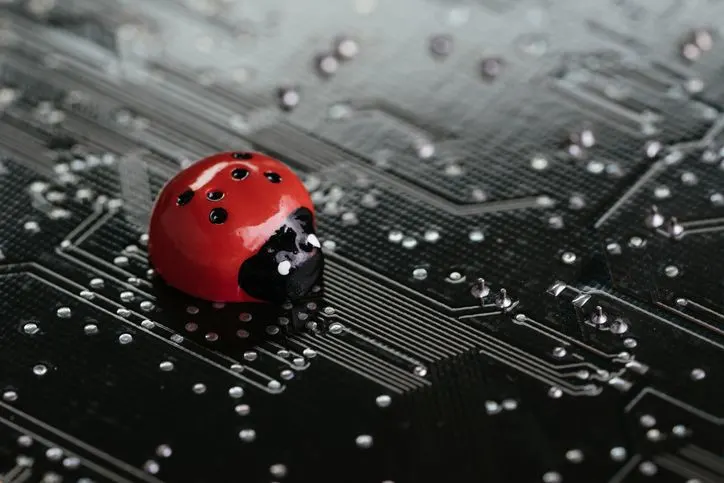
(520, 203)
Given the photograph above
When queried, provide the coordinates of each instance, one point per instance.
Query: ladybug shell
(235, 227)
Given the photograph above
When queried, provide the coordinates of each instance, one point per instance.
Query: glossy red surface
(201, 258)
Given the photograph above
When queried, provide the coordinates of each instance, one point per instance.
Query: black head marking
(239, 173)
(218, 216)
(273, 177)
(184, 198)
(261, 275)
(214, 195)
(242, 155)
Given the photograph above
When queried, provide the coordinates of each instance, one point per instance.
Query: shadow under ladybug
(234, 327)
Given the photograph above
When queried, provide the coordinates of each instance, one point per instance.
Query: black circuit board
(521, 205)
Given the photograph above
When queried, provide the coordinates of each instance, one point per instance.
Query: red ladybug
(236, 227)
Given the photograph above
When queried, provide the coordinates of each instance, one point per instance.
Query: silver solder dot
(274, 385)
(613, 248)
(636, 242)
(552, 477)
(211, 336)
(166, 366)
(509, 404)
(177, 338)
(395, 236)
(10, 396)
(51, 477)
(40, 370)
(539, 163)
(383, 400)
(647, 421)
(671, 271)
(97, 283)
(618, 453)
(336, 328)
(568, 258)
(245, 317)
(125, 338)
(147, 324)
(574, 455)
(278, 470)
(555, 392)
(164, 451)
(30, 328)
(236, 392)
(126, 296)
(653, 434)
(250, 356)
(492, 407)
(54, 454)
(121, 261)
(63, 312)
(309, 353)
(90, 329)
(87, 294)
(647, 468)
(409, 242)
(199, 388)
(191, 326)
(247, 435)
(679, 430)
(476, 236)
(71, 462)
(32, 226)
(662, 192)
(697, 374)
(242, 409)
(286, 374)
(146, 306)
(242, 334)
(151, 467)
(431, 236)
(419, 274)
(630, 343)
(363, 441)
(25, 441)
(237, 368)
(559, 352)
(556, 222)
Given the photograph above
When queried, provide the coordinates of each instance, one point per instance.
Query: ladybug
(236, 227)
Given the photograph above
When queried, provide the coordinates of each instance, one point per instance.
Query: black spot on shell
(242, 155)
(184, 198)
(218, 216)
(273, 177)
(239, 173)
(214, 195)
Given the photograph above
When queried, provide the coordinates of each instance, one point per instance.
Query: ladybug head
(288, 264)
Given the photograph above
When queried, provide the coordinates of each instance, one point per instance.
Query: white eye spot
(284, 267)
(314, 241)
